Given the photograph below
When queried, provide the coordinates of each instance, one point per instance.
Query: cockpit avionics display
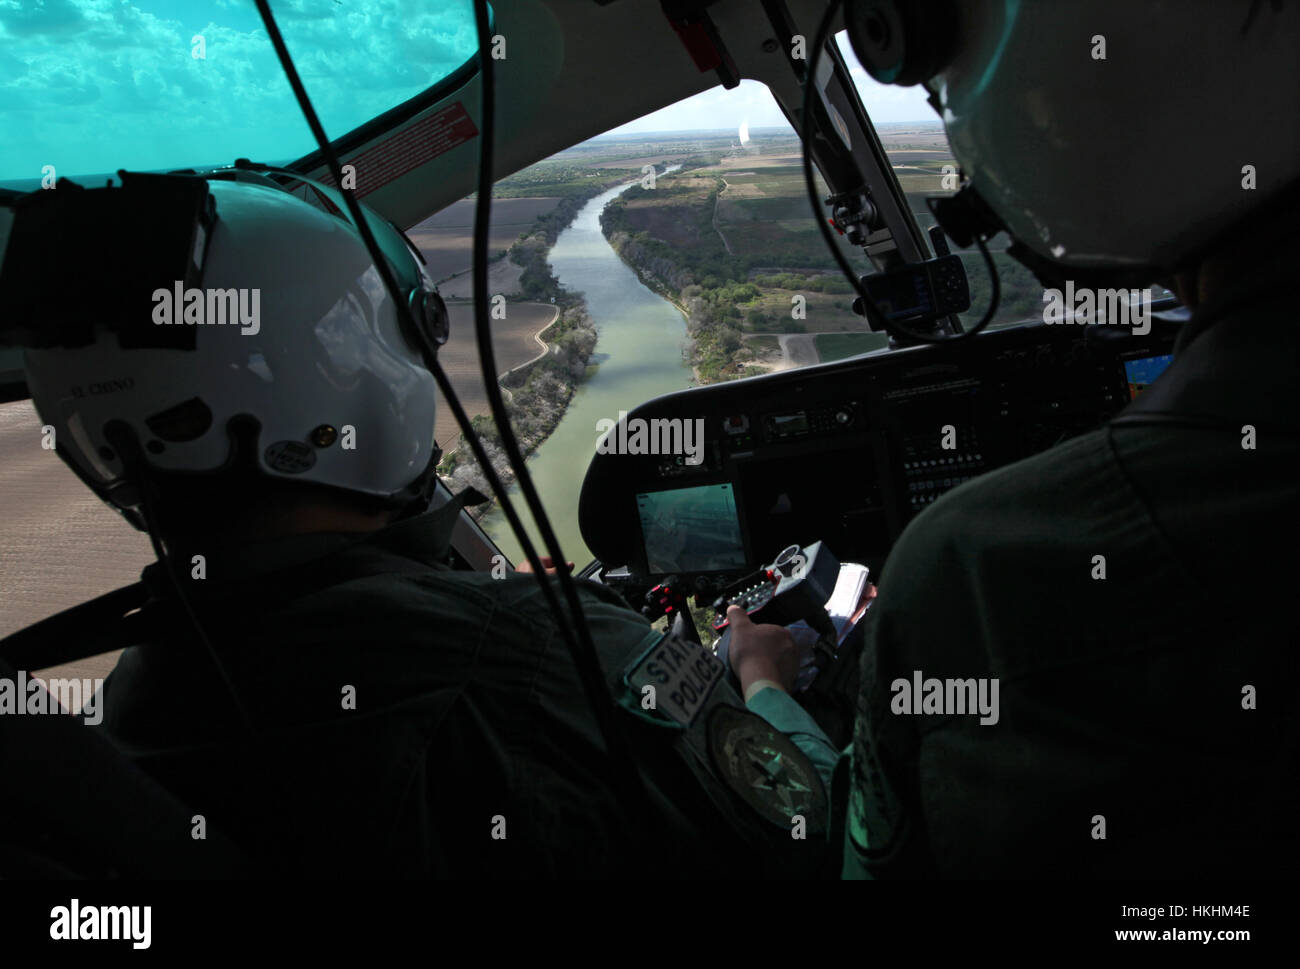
(691, 530)
(1143, 371)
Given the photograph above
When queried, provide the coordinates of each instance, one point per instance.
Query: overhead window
(91, 86)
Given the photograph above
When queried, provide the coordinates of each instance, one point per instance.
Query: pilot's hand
(763, 655)
(548, 566)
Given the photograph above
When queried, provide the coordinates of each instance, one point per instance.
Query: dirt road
(799, 348)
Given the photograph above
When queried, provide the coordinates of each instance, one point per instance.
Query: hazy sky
(752, 102)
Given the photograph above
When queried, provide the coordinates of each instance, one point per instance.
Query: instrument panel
(708, 482)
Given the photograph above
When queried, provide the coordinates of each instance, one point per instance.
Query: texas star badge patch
(764, 767)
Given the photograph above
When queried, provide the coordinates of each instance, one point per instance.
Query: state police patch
(683, 675)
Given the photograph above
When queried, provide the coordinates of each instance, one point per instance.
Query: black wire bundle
(580, 644)
(877, 319)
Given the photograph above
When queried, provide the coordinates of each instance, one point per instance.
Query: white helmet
(1112, 134)
(291, 328)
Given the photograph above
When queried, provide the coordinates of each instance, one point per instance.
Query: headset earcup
(902, 43)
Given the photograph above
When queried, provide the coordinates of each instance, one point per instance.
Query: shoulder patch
(875, 822)
(683, 676)
(766, 769)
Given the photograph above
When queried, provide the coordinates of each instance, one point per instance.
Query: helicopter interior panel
(847, 452)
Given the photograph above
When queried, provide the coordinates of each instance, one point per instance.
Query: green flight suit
(1132, 591)
(415, 720)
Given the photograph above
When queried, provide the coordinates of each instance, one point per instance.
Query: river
(638, 356)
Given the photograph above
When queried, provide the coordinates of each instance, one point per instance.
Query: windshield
(91, 86)
(665, 254)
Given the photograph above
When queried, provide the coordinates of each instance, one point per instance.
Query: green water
(638, 356)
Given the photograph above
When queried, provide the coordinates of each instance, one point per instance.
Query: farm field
(503, 277)
(513, 340)
(445, 237)
(62, 545)
(837, 346)
(747, 216)
(823, 312)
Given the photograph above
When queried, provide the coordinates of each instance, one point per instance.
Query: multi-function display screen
(1143, 371)
(691, 530)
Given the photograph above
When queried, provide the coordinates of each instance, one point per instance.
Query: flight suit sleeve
(878, 823)
(783, 712)
(885, 829)
(983, 586)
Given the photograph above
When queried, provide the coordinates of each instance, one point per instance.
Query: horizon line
(784, 129)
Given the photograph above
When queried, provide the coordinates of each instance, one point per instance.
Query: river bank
(538, 392)
(638, 357)
(670, 237)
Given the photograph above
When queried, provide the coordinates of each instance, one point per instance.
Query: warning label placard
(409, 148)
